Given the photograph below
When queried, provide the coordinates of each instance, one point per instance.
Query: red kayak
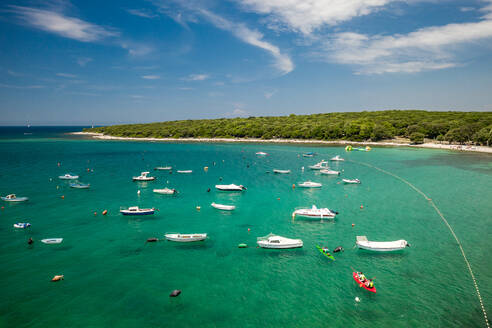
(361, 284)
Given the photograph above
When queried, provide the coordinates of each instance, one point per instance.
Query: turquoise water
(113, 277)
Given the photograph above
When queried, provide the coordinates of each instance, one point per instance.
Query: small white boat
(52, 240)
(308, 154)
(144, 176)
(281, 171)
(381, 246)
(184, 238)
(337, 159)
(323, 165)
(22, 225)
(80, 185)
(14, 198)
(278, 242)
(315, 213)
(329, 172)
(230, 187)
(135, 210)
(68, 176)
(165, 191)
(351, 181)
(184, 171)
(310, 184)
(261, 153)
(223, 207)
(163, 168)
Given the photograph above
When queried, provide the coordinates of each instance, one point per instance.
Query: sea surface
(113, 277)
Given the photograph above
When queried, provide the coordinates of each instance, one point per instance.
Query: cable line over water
(446, 223)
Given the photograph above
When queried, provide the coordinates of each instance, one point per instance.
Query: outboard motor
(338, 249)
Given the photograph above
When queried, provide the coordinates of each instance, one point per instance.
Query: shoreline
(479, 149)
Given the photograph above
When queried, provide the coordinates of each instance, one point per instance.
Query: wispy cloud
(196, 77)
(15, 74)
(269, 94)
(66, 75)
(141, 13)
(429, 48)
(10, 86)
(136, 49)
(305, 16)
(57, 23)
(150, 77)
(82, 61)
(237, 112)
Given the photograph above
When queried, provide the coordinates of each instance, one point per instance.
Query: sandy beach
(480, 149)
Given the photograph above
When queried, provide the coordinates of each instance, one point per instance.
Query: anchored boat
(230, 187)
(310, 154)
(22, 225)
(185, 171)
(319, 166)
(310, 184)
(315, 213)
(329, 172)
(381, 246)
(14, 198)
(183, 238)
(278, 242)
(144, 176)
(135, 210)
(80, 185)
(68, 176)
(52, 240)
(337, 159)
(165, 191)
(223, 207)
(163, 168)
(351, 181)
(281, 171)
(261, 153)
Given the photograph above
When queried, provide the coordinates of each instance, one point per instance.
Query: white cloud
(57, 23)
(305, 16)
(429, 48)
(13, 73)
(151, 77)
(237, 112)
(141, 13)
(10, 86)
(196, 77)
(66, 75)
(136, 49)
(82, 61)
(254, 38)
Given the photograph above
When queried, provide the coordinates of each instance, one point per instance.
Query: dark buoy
(175, 293)
(30, 241)
(150, 240)
(208, 190)
(338, 249)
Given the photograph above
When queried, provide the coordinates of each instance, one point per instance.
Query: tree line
(455, 127)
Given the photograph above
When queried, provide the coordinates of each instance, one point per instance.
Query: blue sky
(108, 62)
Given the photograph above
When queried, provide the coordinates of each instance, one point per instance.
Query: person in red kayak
(362, 277)
(369, 283)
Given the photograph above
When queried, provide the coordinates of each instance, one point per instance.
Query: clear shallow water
(114, 278)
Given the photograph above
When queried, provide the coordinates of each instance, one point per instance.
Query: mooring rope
(447, 224)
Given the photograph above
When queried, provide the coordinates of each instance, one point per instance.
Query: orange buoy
(59, 163)
(3, 207)
(58, 277)
(361, 207)
(105, 212)
(293, 186)
(62, 197)
(88, 169)
(353, 225)
(95, 213)
(278, 198)
(198, 208)
(249, 229)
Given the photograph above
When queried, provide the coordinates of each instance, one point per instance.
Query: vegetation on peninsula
(456, 127)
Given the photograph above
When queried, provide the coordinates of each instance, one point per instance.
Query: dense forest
(455, 127)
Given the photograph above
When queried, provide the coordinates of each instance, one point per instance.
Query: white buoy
(357, 299)
(138, 192)
(302, 168)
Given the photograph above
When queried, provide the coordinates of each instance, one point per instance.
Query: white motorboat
(381, 246)
(144, 176)
(261, 153)
(223, 207)
(165, 191)
(323, 165)
(329, 172)
(184, 171)
(163, 168)
(230, 187)
(337, 159)
(14, 198)
(68, 176)
(281, 171)
(310, 184)
(351, 181)
(22, 225)
(135, 210)
(315, 213)
(80, 185)
(278, 242)
(184, 238)
(52, 240)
